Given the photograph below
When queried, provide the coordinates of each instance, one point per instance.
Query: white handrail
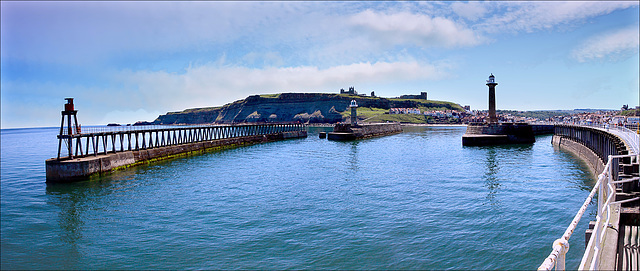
(561, 246)
(607, 193)
(631, 137)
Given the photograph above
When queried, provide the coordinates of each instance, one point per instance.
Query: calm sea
(415, 200)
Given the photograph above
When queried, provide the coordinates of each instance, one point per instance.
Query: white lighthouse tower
(354, 115)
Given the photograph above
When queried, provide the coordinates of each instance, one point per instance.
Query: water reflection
(490, 177)
(353, 155)
(586, 179)
(71, 201)
(76, 200)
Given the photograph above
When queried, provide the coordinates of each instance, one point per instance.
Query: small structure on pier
(72, 128)
(493, 132)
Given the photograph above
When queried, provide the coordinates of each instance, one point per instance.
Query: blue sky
(130, 61)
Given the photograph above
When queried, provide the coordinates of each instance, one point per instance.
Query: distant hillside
(287, 107)
(538, 114)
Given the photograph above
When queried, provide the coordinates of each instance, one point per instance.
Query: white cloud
(143, 95)
(609, 46)
(85, 32)
(129, 116)
(471, 10)
(213, 85)
(411, 28)
(534, 16)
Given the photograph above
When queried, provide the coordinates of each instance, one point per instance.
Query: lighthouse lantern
(492, 79)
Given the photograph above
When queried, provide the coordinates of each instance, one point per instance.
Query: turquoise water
(415, 200)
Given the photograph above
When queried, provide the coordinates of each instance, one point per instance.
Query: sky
(132, 61)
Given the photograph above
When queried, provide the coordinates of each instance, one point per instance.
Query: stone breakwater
(345, 131)
(495, 134)
(87, 167)
(503, 133)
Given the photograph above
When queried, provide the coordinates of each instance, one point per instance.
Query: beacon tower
(492, 99)
(354, 114)
(494, 133)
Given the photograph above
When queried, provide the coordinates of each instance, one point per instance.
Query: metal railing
(104, 140)
(606, 189)
(624, 132)
(152, 127)
(606, 199)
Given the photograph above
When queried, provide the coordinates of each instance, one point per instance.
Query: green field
(377, 115)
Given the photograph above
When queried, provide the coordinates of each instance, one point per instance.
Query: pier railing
(606, 189)
(102, 140)
(601, 140)
(625, 132)
(607, 195)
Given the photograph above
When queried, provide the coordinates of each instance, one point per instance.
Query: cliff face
(287, 107)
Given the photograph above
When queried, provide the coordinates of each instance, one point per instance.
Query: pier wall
(348, 132)
(82, 168)
(496, 134)
(542, 129)
(592, 145)
(595, 164)
(374, 130)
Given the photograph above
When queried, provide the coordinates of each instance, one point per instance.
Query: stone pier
(348, 132)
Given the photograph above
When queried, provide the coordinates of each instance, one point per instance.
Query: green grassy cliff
(306, 108)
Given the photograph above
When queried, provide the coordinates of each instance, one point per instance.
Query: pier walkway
(613, 239)
(104, 149)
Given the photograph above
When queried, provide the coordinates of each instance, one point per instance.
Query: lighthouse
(492, 99)
(494, 133)
(354, 114)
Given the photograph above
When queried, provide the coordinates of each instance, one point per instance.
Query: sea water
(415, 200)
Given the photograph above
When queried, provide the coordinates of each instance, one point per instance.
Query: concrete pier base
(496, 134)
(348, 132)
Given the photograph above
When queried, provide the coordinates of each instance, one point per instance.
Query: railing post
(562, 253)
